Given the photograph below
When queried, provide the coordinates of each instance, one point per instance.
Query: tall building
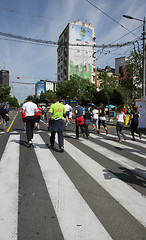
(76, 52)
(4, 77)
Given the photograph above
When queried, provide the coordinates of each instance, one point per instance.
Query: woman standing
(120, 116)
(134, 122)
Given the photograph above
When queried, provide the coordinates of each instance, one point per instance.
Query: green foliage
(13, 102)
(6, 97)
(131, 82)
(76, 88)
(4, 92)
(109, 84)
(135, 64)
(47, 97)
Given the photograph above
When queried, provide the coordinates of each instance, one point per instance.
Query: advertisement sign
(40, 88)
(142, 119)
(80, 57)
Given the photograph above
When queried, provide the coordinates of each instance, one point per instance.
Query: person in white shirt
(95, 114)
(120, 116)
(68, 108)
(30, 109)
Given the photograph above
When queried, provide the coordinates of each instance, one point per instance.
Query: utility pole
(144, 56)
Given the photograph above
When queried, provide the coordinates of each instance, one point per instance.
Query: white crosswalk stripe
(123, 161)
(67, 200)
(136, 205)
(129, 141)
(120, 145)
(9, 167)
(76, 218)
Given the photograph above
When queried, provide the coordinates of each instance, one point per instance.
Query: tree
(131, 81)
(49, 96)
(135, 66)
(108, 84)
(76, 88)
(13, 102)
(4, 93)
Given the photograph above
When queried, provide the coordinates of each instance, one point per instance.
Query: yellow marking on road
(1, 122)
(12, 123)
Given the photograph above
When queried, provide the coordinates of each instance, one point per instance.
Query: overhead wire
(110, 17)
(62, 44)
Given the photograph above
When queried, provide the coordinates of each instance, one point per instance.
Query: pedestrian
(102, 118)
(43, 112)
(30, 109)
(5, 116)
(55, 123)
(79, 120)
(67, 111)
(120, 116)
(95, 118)
(134, 122)
(87, 121)
(70, 116)
(23, 117)
(38, 117)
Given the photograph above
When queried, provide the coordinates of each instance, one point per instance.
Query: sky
(46, 19)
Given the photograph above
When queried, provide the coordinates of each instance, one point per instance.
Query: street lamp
(144, 56)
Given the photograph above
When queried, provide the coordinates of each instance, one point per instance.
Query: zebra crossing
(79, 215)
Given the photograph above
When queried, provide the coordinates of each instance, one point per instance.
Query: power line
(63, 44)
(111, 17)
(24, 83)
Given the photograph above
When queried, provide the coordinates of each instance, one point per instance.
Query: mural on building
(80, 57)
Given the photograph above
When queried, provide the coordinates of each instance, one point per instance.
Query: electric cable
(110, 17)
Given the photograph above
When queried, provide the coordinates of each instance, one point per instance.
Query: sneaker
(140, 136)
(62, 149)
(133, 139)
(30, 143)
(106, 131)
(119, 140)
(124, 137)
(98, 131)
(77, 137)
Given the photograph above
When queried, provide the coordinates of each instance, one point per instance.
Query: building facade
(43, 86)
(120, 66)
(4, 77)
(75, 53)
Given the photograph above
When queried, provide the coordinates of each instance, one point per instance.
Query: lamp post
(144, 56)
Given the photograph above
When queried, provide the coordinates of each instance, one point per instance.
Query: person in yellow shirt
(55, 123)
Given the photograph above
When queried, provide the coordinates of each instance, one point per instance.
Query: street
(94, 190)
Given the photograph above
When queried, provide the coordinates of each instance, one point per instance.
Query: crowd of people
(60, 115)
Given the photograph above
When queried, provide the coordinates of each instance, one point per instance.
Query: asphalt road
(95, 189)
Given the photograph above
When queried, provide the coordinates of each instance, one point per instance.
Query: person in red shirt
(38, 117)
(23, 117)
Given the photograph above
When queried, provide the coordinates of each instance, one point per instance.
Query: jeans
(60, 139)
(30, 121)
